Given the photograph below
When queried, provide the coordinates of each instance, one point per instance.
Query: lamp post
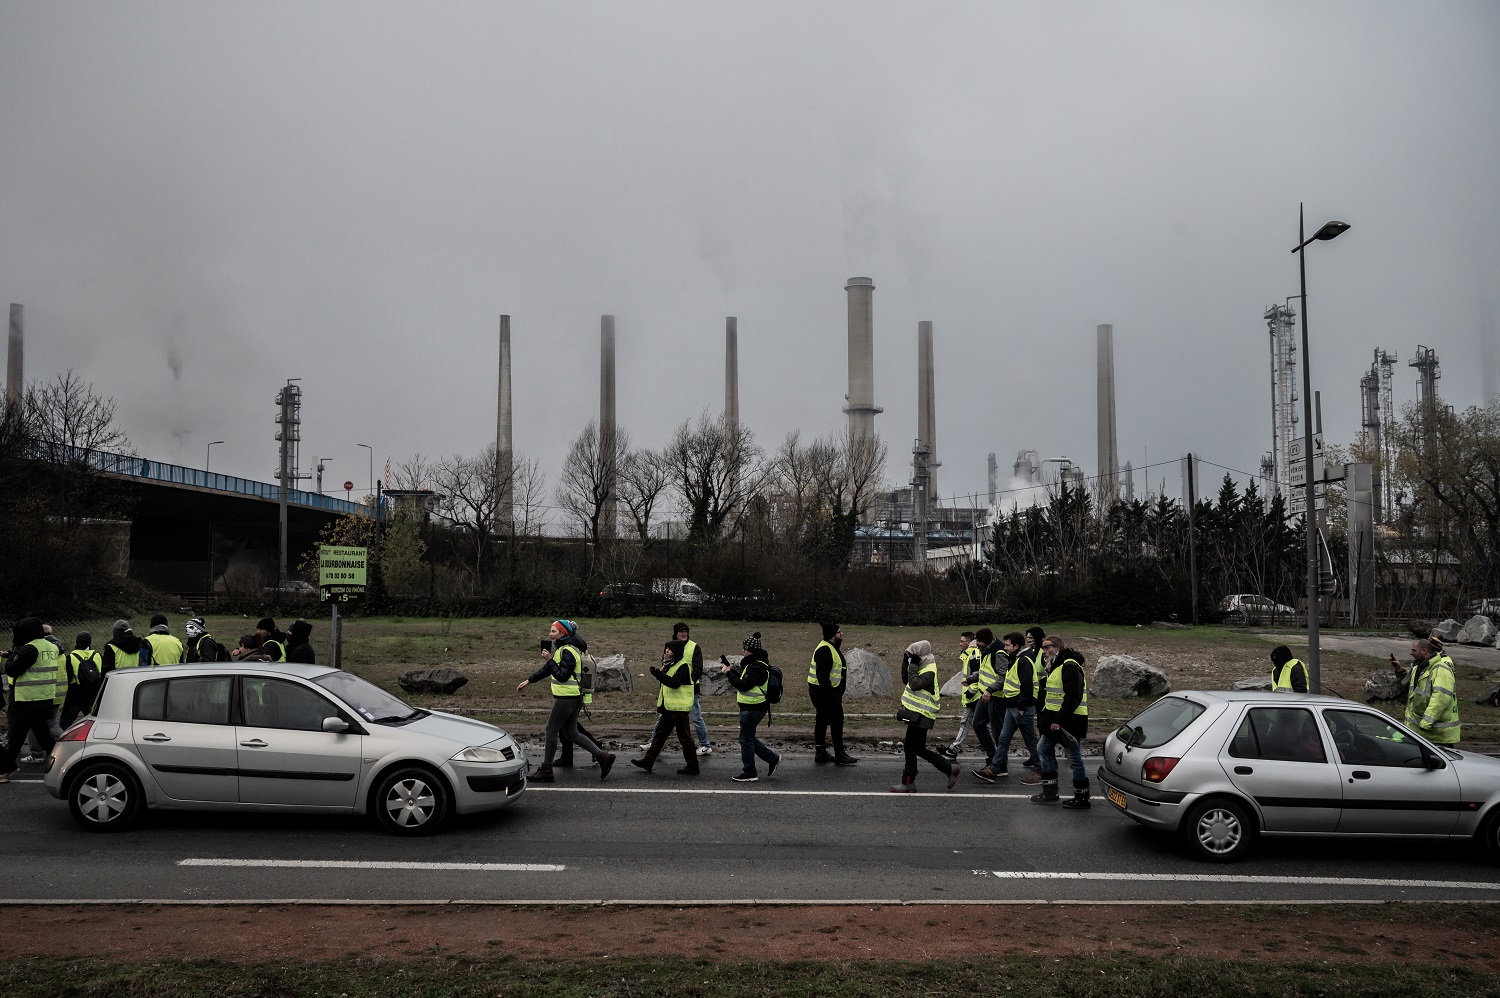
(372, 465)
(1309, 517)
(209, 455)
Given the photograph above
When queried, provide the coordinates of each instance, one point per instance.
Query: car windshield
(1160, 722)
(368, 700)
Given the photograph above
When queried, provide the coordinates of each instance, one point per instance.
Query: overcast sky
(199, 201)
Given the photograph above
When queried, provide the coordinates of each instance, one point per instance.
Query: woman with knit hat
(919, 709)
(563, 665)
(750, 678)
(825, 687)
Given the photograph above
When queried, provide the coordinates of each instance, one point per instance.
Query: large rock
(1123, 676)
(612, 675)
(1167, 625)
(444, 681)
(1384, 685)
(866, 674)
(1420, 628)
(955, 686)
(1447, 630)
(1480, 630)
(1252, 683)
(714, 684)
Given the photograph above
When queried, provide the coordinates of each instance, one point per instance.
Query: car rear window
(1160, 723)
(199, 700)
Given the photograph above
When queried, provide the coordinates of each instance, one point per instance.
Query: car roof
(1242, 696)
(298, 669)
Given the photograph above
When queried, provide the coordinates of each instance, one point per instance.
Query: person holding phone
(563, 665)
(750, 678)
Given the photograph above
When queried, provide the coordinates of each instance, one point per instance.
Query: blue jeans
(1016, 719)
(699, 728)
(1046, 750)
(750, 746)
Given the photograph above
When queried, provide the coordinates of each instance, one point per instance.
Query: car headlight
(479, 753)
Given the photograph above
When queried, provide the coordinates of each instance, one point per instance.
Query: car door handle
(158, 737)
(1359, 774)
(1243, 770)
(254, 743)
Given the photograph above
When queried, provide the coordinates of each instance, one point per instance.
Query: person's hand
(985, 696)
(523, 684)
(1056, 727)
(723, 669)
(546, 654)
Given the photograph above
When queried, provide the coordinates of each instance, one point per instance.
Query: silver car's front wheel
(1219, 831)
(411, 801)
(105, 798)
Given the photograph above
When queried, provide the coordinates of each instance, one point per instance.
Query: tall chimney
(14, 383)
(731, 373)
(993, 478)
(861, 405)
(927, 405)
(607, 420)
(1109, 454)
(504, 454)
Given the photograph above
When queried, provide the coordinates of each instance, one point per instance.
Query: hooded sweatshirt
(23, 655)
(1077, 725)
(918, 656)
(123, 645)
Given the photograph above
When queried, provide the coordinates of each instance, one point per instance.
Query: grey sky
(198, 201)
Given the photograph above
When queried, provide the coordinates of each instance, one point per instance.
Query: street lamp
(372, 465)
(1314, 671)
(209, 454)
(321, 462)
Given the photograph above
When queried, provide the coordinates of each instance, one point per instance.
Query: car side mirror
(337, 725)
(1434, 761)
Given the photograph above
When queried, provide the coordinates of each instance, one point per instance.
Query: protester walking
(969, 656)
(674, 704)
(563, 665)
(1064, 720)
(32, 669)
(85, 671)
(166, 649)
(273, 641)
(122, 650)
(1016, 700)
(694, 653)
(825, 687)
(750, 679)
(920, 699)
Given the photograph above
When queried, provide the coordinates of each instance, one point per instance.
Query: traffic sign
(342, 574)
(348, 486)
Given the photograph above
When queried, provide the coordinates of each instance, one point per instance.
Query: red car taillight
(1156, 768)
(78, 732)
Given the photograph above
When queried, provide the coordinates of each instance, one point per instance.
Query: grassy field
(1122, 976)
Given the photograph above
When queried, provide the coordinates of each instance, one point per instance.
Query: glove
(1425, 725)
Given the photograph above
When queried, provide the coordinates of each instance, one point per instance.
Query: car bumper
(486, 786)
(1159, 809)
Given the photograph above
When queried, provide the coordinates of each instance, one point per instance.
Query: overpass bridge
(196, 532)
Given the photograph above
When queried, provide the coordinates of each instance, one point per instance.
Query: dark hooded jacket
(559, 668)
(125, 647)
(1073, 685)
(1281, 655)
(23, 656)
(755, 666)
(670, 655)
(301, 649)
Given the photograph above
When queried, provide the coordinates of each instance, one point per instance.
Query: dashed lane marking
(1233, 878)
(353, 864)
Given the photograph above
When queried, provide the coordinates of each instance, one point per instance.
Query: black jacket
(755, 666)
(823, 666)
(1071, 663)
(127, 646)
(1024, 662)
(914, 679)
(23, 656)
(560, 671)
(670, 653)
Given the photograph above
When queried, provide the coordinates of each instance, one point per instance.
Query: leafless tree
(467, 497)
(414, 475)
(712, 467)
(67, 417)
(590, 478)
(644, 476)
(528, 491)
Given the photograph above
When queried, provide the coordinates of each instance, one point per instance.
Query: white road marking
(1232, 878)
(352, 864)
(776, 793)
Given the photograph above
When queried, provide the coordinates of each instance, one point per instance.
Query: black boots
(606, 760)
(1080, 801)
(543, 774)
(1048, 794)
(821, 757)
(842, 758)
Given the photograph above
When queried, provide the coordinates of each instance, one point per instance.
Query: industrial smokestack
(927, 404)
(861, 405)
(994, 478)
(14, 383)
(731, 373)
(1109, 455)
(607, 420)
(504, 455)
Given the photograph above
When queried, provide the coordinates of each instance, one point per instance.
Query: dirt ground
(1337, 934)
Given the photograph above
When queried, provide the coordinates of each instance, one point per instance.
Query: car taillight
(1157, 767)
(77, 732)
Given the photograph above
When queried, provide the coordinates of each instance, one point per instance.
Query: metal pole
(208, 455)
(1310, 513)
(336, 638)
(1192, 490)
(372, 465)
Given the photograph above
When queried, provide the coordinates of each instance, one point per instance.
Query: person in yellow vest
(563, 666)
(32, 669)
(750, 677)
(85, 668)
(674, 704)
(1288, 675)
(825, 687)
(122, 650)
(1063, 720)
(272, 640)
(166, 649)
(1431, 692)
(968, 667)
(1017, 698)
(920, 698)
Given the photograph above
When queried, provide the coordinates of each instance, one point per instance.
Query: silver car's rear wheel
(411, 801)
(105, 798)
(1219, 831)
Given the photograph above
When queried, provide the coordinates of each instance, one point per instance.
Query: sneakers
(953, 777)
(689, 771)
(845, 759)
(905, 788)
(746, 778)
(949, 751)
(986, 774)
(705, 750)
(606, 762)
(1001, 774)
(32, 758)
(646, 747)
(4, 777)
(641, 764)
(771, 766)
(1032, 779)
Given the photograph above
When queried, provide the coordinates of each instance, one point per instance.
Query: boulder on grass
(1252, 683)
(1420, 628)
(1167, 625)
(1480, 630)
(714, 682)
(1447, 630)
(865, 674)
(612, 675)
(1123, 676)
(955, 686)
(1384, 685)
(444, 681)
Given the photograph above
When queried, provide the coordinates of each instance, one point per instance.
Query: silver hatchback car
(1223, 767)
(254, 737)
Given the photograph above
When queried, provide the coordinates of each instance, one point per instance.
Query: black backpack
(773, 685)
(86, 670)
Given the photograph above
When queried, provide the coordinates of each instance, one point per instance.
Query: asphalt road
(813, 834)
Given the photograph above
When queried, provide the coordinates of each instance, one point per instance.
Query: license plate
(1116, 798)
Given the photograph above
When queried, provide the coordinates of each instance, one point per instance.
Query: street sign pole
(342, 575)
